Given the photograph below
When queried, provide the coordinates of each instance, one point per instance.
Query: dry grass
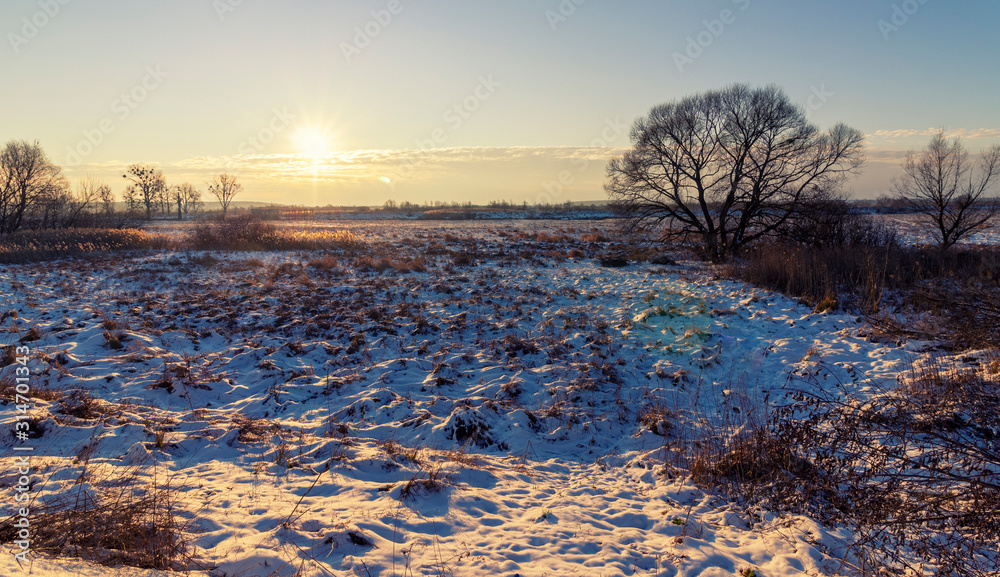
(37, 245)
(253, 430)
(385, 263)
(80, 404)
(656, 417)
(914, 472)
(114, 516)
(740, 461)
(248, 233)
(891, 285)
(425, 483)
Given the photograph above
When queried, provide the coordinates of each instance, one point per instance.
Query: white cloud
(964, 133)
(456, 173)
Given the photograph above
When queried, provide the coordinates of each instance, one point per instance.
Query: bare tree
(164, 199)
(727, 167)
(189, 198)
(107, 199)
(178, 197)
(88, 192)
(149, 185)
(131, 197)
(942, 184)
(224, 187)
(26, 177)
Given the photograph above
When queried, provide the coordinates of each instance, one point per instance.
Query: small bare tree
(728, 167)
(131, 197)
(224, 187)
(943, 185)
(189, 198)
(88, 192)
(107, 199)
(178, 197)
(149, 185)
(165, 198)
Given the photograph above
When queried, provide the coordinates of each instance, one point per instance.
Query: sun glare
(312, 141)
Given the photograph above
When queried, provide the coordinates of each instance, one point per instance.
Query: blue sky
(473, 100)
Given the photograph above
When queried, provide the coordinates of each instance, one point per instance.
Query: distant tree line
(505, 205)
(34, 194)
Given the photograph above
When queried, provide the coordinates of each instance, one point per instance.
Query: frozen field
(507, 411)
(914, 230)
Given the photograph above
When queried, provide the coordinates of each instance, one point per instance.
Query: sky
(315, 102)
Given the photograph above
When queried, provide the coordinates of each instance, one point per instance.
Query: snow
(913, 229)
(479, 420)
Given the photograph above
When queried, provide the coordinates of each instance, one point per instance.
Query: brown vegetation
(891, 285)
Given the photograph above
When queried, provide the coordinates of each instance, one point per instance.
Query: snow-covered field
(505, 415)
(913, 229)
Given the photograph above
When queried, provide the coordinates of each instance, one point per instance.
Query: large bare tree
(149, 185)
(224, 187)
(27, 176)
(948, 189)
(727, 167)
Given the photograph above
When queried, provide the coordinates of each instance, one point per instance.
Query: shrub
(8, 357)
(325, 263)
(247, 232)
(753, 456)
(594, 236)
(830, 222)
(242, 232)
(464, 258)
(915, 471)
(613, 261)
(31, 336)
(959, 289)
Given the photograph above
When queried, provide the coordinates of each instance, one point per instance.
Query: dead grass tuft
(253, 430)
(80, 404)
(114, 517)
(425, 483)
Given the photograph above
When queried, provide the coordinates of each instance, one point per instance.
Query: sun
(312, 141)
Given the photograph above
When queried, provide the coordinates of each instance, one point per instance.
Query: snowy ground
(503, 417)
(913, 229)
